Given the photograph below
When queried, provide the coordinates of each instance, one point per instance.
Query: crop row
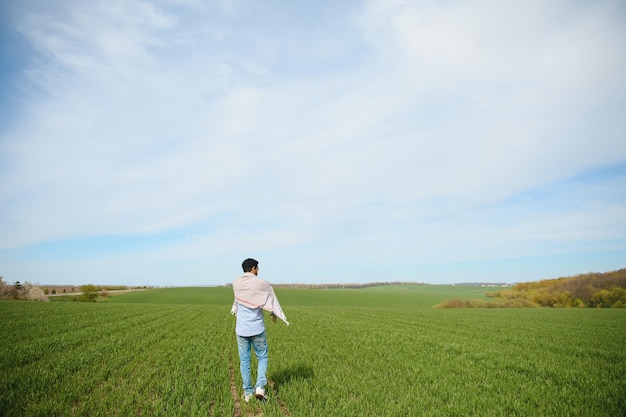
(389, 362)
(63, 359)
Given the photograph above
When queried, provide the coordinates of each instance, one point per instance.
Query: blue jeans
(259, 342)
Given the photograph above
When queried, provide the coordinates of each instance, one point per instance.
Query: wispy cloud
(349, 134)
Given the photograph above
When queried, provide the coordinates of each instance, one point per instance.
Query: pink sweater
(254, 292)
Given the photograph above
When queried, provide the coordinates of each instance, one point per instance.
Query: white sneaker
(260, 394)
(247, 397)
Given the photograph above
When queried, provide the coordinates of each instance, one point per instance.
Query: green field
(379, 351)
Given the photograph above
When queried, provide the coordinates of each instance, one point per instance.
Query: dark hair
(248, 264)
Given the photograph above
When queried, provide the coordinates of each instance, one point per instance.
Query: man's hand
(273, 316)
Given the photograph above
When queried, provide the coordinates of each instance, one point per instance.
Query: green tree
(89, 292)
(615, 297)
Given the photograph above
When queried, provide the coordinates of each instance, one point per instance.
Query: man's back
(251, 290)
(248, 290)
(250, 321)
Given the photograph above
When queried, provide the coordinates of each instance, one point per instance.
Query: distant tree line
(19, 291)
(591, 290)
(64, 289)
(92, 293)
(33, 292)
(596, 290)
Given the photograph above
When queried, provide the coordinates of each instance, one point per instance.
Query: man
(252, 296)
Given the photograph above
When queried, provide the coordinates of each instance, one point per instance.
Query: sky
(162, 142)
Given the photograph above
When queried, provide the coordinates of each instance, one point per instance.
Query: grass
(454, 362)
(181, 295)
(380, 351)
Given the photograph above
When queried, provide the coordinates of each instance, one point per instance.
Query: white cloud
(153, 117)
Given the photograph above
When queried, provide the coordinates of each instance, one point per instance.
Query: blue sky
(162, 142)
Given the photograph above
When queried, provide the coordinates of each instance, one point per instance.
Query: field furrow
(165, 357)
